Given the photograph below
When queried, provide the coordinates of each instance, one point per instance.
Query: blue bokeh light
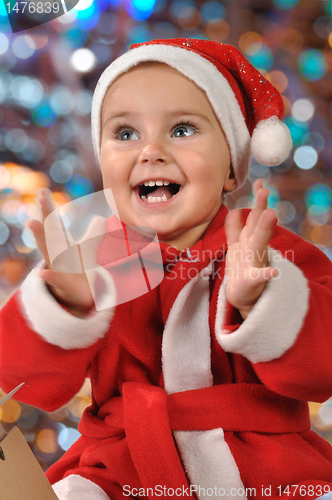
(43, 115)
(139, 34)
(61, 171)
(305, 157)
(285, 4)
(79, 186)
(312, 64)
(140, 9)
(212, 10)
(262, 59)
(318, 198)
(5, 26)
(67, 437)
(115, 4)
(299, 130)
(75, 37)
(86, 19)
(328, 7)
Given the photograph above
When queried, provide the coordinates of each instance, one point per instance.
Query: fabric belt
(146, 415)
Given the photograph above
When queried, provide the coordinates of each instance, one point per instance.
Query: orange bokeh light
(278, 79)
(249, 41)
(24, 179)
(13, 271)
(47, 441)
(218, 30)
(322, 235)
(10, 412)
(291, 40)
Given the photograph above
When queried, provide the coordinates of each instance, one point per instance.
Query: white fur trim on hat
(271, 141)
(271, 327)
(75, 487)
(56, 325)
(205, 75)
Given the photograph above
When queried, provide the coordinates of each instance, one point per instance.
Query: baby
(199, 386)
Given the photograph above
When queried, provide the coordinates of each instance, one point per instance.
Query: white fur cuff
(275, 321)
(75, 487)
(56, 325)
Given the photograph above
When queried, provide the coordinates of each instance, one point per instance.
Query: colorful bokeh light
(318, 198)
(262, 59)
(312, 64)
(298, 130)
(79, 186)
(44, 115)
(140, 9)
(285, 4)
(212, 10)
(305, 157)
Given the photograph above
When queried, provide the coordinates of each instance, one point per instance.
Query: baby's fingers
(259, 276)
(37, 229)
(263, 231)
(46, 202)
(258, 184)
(261, 197)
(233, 227)
(47, 205)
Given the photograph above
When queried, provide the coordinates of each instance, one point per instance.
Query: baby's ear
(230, 182)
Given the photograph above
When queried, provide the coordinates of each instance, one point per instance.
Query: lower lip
(157, 204)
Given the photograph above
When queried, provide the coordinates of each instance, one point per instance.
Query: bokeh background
(47, 76)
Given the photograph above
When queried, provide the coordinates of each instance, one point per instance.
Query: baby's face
(163, 153)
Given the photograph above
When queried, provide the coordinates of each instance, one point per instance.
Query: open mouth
(158, 191)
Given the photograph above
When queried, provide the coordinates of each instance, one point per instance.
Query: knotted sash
(148, 416)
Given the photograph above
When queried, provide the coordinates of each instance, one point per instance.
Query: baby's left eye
(184, 131)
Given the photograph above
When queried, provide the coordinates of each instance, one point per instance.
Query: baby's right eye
(126, 134)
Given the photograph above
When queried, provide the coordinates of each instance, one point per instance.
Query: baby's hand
(247, 269)
(71, 290)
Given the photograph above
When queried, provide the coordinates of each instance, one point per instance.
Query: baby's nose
(153, 152)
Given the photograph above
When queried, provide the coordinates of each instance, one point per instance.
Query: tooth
(158, 198)
(143, 197)
(146, 184)
(164, 197)
(159, 183)
(166, 183)
(151, 183)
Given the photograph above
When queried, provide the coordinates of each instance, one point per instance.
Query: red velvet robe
(128, 431)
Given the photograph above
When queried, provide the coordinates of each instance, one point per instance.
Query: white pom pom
(271, 142)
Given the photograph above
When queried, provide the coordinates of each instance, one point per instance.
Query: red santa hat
(248, 106)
